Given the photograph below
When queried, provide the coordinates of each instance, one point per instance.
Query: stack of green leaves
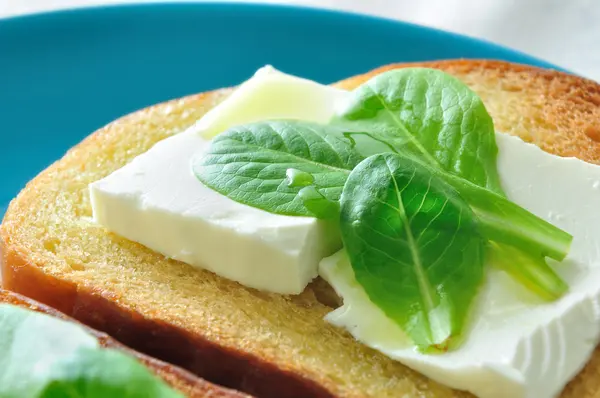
(408, 170)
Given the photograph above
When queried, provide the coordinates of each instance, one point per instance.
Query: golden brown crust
(178, 378)
(524, 101)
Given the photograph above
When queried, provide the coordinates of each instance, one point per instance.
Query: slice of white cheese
(271, 94)
(517, 347)
(157, 201)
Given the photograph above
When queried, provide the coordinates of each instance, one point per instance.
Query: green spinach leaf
(43, 356)
(415, 247)
(430, 115)
(267, 164)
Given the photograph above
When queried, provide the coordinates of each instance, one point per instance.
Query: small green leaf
(414, 246)
(46, 357)
(431, 115)
(252, 164)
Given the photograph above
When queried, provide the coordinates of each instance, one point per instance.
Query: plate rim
(388, 27)
(303, 11)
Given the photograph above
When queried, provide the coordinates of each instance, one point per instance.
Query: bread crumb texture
(49, 225)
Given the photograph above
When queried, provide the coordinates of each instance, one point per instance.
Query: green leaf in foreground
(432, 116)
(46, 357)
(414, 246)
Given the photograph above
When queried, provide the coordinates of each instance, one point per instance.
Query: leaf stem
(529, 270)
(505, 222)
(423, 281)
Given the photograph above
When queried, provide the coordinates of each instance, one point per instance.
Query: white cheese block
(517, 347)
(271, 94)
(157, 201)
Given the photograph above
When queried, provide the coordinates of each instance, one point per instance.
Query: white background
(564, 32)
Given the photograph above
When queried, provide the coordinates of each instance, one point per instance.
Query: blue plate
(65, 74)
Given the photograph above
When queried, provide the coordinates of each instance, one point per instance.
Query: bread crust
(235, 368)
(177, 378)
(231, 368)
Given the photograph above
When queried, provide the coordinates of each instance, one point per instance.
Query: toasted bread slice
(265, 344)
(187, 383)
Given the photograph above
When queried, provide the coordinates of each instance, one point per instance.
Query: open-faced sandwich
(423, 230)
